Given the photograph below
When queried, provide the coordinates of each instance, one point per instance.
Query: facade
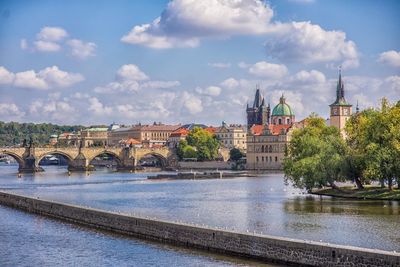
(69, 139)
(266, 146)
(176, 136)
(148, 135)
(340, 110)
(232, 136)
(259, 113)
(266, 142)
(94, 136)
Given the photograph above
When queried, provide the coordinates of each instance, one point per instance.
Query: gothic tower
(259, 113)
(340, 109)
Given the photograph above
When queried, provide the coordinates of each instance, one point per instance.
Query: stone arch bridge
(127, 158)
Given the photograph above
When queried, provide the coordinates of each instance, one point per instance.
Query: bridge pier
(29, 165)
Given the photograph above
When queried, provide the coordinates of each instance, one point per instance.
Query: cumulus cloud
(130, 78)
(268, 70)
(53, 39)
(184, 22)
(308, 77)
(50, 77)
(309, 43)
(8, 110)
(391, 58)
(98, 108)
(230, 83)
(53, 34)
(220, 65)
(81, 49)
(210, 90)
(192, 103)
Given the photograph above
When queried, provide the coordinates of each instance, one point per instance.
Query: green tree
(314, 156)
(199, 144)
(235, 154)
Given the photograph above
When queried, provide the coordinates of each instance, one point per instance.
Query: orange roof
(210, 129)
(180, 132)
(131, 141)
(274, 129)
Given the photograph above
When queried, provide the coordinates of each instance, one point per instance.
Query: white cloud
(184, 22)
(192, 103)
(309, 43)
(81, 49)
(308, 77)
(220, 65)
(51, 77)
(230, 83)
(131, 72)
(268, 70)
(393, 83)
(45, 46)
(130, 78)
(243, 65)
(98, 108)
(23, 44)
(210, 90)
(391, 58)
(6, 77)
(52, 34)
(8, 110)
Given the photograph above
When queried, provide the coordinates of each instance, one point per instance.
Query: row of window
(230, 142)
(230, 135)
(266, 159)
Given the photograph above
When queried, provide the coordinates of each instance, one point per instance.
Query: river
(262, 204)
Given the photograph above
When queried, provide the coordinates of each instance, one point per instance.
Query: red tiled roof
(274, 129)
(180, 132)
(211, 129)
(131, 141)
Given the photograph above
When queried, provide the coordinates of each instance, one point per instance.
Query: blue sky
(93, 62)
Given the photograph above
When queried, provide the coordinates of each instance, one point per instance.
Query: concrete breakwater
(262, 247)
(200, 175)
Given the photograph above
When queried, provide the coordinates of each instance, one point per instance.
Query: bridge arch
(15, 156)
(107, 152)
(158, 156)
(55, 152)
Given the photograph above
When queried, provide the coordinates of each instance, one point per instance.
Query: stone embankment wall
(205, 165)
(261, 247)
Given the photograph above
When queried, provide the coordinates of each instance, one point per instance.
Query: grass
(369, 192)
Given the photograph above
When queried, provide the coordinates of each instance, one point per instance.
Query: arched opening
(279, 121)
(152, 160)
(10, 160)
(107, 160)
(54, 160)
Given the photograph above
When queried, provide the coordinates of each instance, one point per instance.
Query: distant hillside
(13, 133)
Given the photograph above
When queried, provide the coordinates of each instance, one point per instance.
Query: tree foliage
(13, 133)
(199, 144)
(314, 155)
(235, 154)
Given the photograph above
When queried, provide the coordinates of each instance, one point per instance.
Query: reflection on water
(261, 204)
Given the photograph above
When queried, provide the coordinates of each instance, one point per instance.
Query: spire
(340, 100)
(357, 108)
(282, 99)
(257, 98)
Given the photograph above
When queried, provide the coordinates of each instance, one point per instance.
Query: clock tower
(340, 109)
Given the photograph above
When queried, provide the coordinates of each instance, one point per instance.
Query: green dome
(282, 109)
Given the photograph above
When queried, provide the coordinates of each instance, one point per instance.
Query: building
(267, 142)
(53, 139)
(153, 135)
(232, 136)
(96, 136)
(259, 113)
(340, 110)
(282, 113)
(69, 139)
(176, 136)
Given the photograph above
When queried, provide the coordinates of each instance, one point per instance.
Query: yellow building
(340, 110)
(94, 136)
(232, 136)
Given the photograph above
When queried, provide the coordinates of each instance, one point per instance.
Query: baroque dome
(282, 109)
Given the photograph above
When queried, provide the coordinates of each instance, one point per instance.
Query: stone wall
(261, 247)
(205, 165)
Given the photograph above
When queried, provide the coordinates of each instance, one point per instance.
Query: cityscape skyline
(190, 61)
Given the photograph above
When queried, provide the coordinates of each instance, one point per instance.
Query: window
(262, 149)
(279, 121)
(276, 159)
(262, 159)
(287, 121)
(270, 149)
(257, 158)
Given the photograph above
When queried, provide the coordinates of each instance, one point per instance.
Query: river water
(262, 204)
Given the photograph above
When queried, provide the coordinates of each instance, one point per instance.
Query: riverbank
(248, 245)
(200, 175)
(369, 192)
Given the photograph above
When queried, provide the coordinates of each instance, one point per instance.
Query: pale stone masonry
(261, 247)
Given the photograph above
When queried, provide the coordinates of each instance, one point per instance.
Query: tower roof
(282, 109)
(340, 100)
(258, 99)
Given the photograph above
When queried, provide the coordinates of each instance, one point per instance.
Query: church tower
(259, 113)
(340, 109)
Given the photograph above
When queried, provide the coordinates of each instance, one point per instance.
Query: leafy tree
(314, 156)
(235, 154)
(199, 144)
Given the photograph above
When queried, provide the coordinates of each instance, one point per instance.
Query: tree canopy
(199, 144)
